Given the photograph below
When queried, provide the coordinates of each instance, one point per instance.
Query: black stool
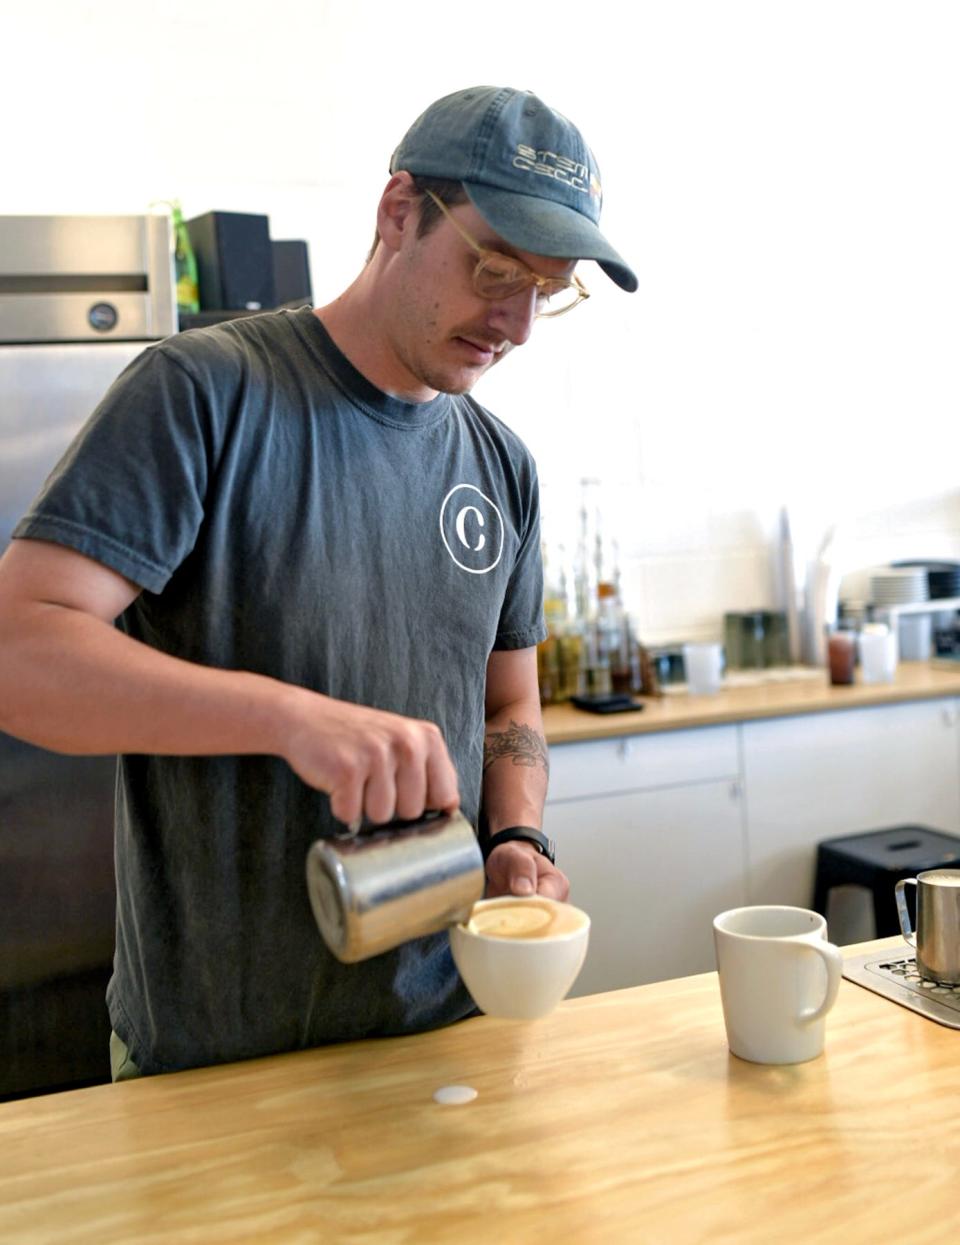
(877, 860)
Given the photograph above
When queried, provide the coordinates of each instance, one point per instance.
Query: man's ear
(398, 211)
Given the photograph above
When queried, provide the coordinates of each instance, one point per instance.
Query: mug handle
(833, 962)
(909, 936)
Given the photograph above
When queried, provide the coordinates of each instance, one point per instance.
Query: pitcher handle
(908, 935)
(833, 962)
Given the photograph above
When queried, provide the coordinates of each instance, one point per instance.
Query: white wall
(783, 176)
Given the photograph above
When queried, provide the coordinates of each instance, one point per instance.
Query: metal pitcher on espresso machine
(936, 939)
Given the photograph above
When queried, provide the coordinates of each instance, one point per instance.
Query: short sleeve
(129, 491)
(521, 620)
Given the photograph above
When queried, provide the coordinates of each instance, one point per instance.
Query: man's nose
(514, 316)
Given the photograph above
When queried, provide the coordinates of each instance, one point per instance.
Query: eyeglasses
(499, 276)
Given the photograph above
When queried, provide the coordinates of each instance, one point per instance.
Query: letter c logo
(472, 529)
(462, 524)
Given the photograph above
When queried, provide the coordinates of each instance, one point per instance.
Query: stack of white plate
(899, 587)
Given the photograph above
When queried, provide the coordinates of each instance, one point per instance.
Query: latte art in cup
(519, 955)
(524, 919)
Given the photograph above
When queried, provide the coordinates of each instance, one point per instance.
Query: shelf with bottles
(595, 654)
(592, 647)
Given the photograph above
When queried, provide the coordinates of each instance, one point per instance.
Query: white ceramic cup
(778, 979)
(703, 664)
(520, 978)
(878, 655)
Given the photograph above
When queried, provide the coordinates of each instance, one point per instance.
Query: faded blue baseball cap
(525, 167)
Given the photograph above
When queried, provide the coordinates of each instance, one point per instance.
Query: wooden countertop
(678, 710)
(620, 1118)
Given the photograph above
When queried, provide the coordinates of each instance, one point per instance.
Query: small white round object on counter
(454, 1095)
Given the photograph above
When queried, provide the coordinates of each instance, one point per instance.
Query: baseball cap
(525, 167)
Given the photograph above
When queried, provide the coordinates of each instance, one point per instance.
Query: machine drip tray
(893, 974)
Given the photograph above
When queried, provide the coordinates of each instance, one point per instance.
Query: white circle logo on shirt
(471, 527)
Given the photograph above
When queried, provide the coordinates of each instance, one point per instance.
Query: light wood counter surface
(621, 1118)
(678, 710)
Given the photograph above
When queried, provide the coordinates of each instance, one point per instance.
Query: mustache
(482, 338)
(484, 341)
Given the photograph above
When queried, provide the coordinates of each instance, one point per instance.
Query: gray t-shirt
(284, 516)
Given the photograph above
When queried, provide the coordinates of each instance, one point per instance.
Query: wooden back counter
(778, 697)
(620, 1118)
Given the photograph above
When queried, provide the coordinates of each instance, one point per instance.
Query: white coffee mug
(778, 979)
(520, 978)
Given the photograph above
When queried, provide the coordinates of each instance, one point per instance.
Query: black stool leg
(823, 884)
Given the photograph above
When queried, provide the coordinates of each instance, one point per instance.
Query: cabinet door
(652, 869)
(640, 762)
(812, 777)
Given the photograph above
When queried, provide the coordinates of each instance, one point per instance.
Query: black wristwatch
(526, 834)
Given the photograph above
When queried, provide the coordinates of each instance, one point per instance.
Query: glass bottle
(595, 665)
(572, 659)
(589, 545)
(550, 653)
(185, 264)
(613, 635)
(548, 671)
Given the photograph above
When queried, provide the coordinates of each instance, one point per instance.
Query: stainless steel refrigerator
(56, 812)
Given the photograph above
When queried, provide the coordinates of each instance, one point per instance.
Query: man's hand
(518, 869)
(371, 763)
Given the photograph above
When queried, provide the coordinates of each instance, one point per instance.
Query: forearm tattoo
(520, 743)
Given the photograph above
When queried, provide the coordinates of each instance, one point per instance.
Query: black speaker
(291, 273)
(234, 261)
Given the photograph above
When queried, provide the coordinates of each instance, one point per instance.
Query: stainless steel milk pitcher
(373, 890)
(937, 938)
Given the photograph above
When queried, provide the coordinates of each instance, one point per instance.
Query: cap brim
(544, 227)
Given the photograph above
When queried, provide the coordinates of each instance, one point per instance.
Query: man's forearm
(74, 684)
(71, 682)
(516, 767)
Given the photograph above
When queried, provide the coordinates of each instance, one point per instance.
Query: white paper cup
(703, 664)
(878, 656)
(778, 979)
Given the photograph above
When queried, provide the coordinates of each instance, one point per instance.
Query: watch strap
(526, 834)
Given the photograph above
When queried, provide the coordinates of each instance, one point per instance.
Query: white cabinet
(640, 762)
(649, 830)
(652, 868)
(659, 832)
(809, 778)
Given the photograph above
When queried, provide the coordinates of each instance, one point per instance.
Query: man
(322, 560)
